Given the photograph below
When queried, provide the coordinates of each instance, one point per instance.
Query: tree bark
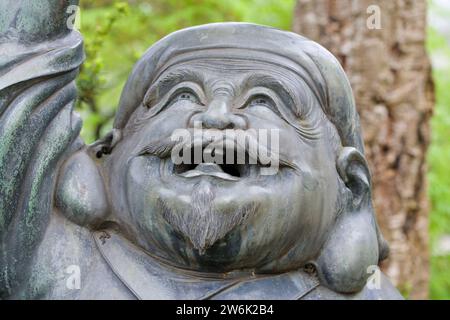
(391, 79)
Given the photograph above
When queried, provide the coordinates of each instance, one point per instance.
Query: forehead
(235, 76)
(235, 71)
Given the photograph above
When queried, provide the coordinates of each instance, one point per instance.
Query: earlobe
(354, 243)
(80, 193)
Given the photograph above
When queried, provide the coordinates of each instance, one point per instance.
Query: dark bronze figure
(137, 225)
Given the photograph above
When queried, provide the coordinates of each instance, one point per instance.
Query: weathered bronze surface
(135, 225)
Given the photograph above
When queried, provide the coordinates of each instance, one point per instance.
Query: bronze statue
(139, 225)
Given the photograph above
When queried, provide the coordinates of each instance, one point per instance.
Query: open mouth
(225, 159)
(224, 171)
(235, 167)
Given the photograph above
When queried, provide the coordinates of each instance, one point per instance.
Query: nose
(218, 116)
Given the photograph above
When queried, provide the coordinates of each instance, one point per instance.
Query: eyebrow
(168, 80)
(297, 101)
(280, 88)
(260, 79)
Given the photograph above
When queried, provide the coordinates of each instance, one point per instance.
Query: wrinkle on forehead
(234, 77)
(221, 87)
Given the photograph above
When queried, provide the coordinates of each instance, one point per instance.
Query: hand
(35, 21)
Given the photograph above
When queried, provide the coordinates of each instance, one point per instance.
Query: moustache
(233, 146)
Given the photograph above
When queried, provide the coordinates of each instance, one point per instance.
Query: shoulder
(68, 265)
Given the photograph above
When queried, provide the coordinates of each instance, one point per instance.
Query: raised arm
(39, 60)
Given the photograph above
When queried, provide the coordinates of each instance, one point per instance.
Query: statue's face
(225, 217)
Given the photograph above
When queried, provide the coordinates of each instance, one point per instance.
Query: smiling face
(214, 217)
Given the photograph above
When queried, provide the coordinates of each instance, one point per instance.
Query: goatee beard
(202, 223)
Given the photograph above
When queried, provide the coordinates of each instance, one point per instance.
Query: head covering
(313, 63)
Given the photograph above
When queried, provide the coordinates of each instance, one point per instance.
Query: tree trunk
(390, 75)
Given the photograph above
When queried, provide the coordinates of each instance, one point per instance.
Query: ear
(354, 243)
(354, 171)
(106, 144)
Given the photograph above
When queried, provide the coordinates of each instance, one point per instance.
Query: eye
(185, 96)
(263, 100)
(260, 100)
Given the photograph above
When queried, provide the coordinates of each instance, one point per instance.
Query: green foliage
(91, 81)
(438, 164)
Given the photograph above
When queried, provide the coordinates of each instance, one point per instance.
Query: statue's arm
(39, 60)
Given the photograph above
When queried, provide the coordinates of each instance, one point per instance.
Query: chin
(198, 219)
(206, 223)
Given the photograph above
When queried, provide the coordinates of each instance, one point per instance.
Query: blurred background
(400, 74)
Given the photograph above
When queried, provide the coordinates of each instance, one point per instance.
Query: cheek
(141, 175)
(317, 184)
(265, 118)
(142, 179)
(142, 170)
(320, 192)
(170, 119)
(313, 211)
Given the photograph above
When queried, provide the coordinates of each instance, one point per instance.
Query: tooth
(208, 167)
(254, 170)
